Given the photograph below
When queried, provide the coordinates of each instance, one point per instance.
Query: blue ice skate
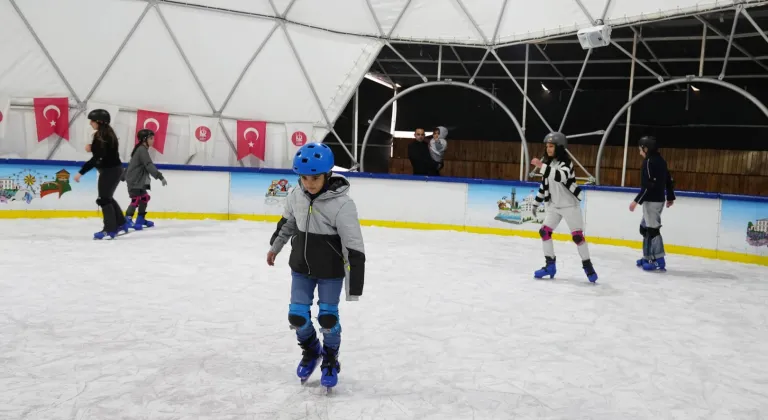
(103, 234)
(141, 223)
(641, 261)
(548, 270)
(312, 353)
(330, 368)
(128, 223)
(589, 270)
(656, 265)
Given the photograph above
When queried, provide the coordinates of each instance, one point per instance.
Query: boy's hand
(670, 203)
(632, 206)
(271, 258)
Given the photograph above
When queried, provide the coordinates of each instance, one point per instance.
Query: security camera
(594, 37)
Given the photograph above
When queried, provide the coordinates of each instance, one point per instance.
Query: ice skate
(656, 265)
(330, 368)
(549, 269)
(310, 356)
(104, 234)
(141, 223)
(589, 270)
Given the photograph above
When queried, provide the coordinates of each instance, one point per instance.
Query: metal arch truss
(685, 80)
(414, 88)
(215, 113)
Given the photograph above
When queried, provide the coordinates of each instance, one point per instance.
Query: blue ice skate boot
(309, 358)
(330, 368)
(656, 265)
(128, 223)
(589, 270)
(548, 270)
(141, 223)
(103, 234)
(641, 261)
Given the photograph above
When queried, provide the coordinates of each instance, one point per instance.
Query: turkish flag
(52, 117)
(251, 139)
(155, 121)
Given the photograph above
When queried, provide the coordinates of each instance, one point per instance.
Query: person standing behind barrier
(137, 177)
(105, 149)
(437, 146)
(656, 181)
(419, 155)
(563, 196)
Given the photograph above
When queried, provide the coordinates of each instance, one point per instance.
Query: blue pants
(329, 293)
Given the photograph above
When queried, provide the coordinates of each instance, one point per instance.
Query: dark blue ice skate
(549, 269)
(330, 368)
(656, 265)
(102, 235)
(311, 355)
(641, 261)
(128, 223)
(589, 270)
(141, 223)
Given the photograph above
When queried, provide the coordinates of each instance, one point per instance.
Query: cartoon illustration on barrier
(512, 211)
(26, 184)
(277, 191)
(757, 232)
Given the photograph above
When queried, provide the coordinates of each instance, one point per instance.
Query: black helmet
(649, 142)
(100, 115)
(558, 139)
(144, 134)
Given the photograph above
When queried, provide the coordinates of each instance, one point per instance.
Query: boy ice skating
(320, 220)
(137, 177)
(656, 181)
(559, 189)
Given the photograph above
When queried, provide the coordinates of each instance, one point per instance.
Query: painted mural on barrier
(744, 226)
(259, 194)
(505, 206)
(28, 184)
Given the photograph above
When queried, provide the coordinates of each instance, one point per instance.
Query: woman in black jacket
(106, 159)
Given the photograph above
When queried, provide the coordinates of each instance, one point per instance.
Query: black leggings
(109, 179)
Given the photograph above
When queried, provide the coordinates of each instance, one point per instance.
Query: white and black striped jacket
(558, 178)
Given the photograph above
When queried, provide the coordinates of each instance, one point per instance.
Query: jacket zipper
(340, 255)
(306, 236)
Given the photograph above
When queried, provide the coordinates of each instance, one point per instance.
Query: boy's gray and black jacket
(325, 234)
(139, 169)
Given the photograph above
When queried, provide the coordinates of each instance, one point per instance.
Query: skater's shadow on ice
(702, 274)
(596, 289)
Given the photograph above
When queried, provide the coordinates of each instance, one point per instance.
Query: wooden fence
(723, 171)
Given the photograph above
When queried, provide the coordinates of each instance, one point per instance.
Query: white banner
(202, 131)
(298, 134)
(87, 136)
(5, 109)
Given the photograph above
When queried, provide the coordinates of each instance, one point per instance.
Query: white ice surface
(186, 321)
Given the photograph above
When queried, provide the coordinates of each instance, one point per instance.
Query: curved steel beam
(524, 161)
(684, 80)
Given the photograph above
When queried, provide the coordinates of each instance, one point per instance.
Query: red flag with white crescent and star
(52, 117)
(155, 121)
(251, 139)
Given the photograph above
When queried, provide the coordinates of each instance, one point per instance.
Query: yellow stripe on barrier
(672, 249)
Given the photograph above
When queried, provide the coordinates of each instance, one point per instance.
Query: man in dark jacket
(418, 153)
(656, 183)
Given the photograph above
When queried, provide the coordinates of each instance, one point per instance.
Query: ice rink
(186, 321)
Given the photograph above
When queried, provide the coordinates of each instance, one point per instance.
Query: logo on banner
(299, 139)
(203, 133)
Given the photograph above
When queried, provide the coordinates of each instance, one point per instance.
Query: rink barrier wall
(700, 224)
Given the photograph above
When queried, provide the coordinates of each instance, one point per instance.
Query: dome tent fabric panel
(218, 45)
(82, 54)
(355, 17)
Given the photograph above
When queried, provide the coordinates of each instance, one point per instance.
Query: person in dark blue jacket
(657, 187)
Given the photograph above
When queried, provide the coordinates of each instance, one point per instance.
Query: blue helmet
(313, 159)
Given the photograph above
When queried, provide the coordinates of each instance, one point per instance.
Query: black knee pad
(103, 201)
(643, 230)
(328, 321)
(653, 232)
(297, 321)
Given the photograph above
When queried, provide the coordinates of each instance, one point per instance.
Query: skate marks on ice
(451, 326)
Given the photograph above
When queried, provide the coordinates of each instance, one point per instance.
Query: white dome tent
(293, 64)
